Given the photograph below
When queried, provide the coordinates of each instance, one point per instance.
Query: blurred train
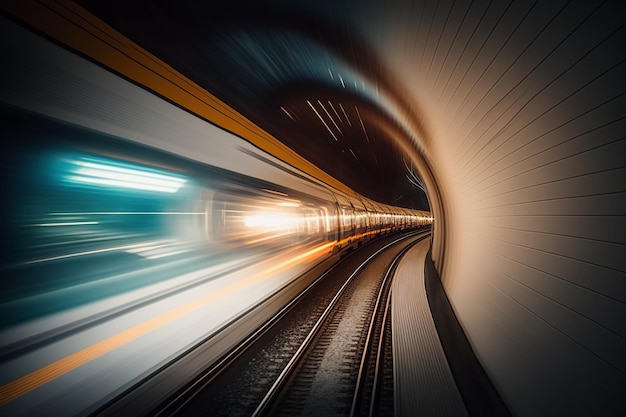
(75, 190)
(134, 228)
(115, 146)
(97, 165)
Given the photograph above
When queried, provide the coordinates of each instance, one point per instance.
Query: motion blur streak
(46, 374)
(87, 34)
(127, 248)
(97, 173)
(131, 278)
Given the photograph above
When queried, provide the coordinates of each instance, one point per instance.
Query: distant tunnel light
(112, 174)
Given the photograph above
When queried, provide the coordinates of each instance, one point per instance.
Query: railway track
(326, 353)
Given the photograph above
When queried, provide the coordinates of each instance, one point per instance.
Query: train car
(121, 206)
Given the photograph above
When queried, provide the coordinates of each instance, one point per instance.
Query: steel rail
(280, 381)
(383, 298)
(378, 365)
(178, 402)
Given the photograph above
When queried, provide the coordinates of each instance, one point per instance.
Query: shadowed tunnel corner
(479, 395)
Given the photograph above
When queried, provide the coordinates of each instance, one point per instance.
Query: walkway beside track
(423, 382)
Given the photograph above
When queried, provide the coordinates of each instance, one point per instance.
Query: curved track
(320, 358)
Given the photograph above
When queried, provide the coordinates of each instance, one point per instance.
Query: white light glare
(95, 173)
(289, 204)
(270, 221)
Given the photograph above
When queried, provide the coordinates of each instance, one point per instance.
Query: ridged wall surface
(524, 104)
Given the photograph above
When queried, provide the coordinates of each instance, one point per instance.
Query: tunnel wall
(523, 103)
(525, 106)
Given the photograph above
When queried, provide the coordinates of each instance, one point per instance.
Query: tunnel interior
(506, 119)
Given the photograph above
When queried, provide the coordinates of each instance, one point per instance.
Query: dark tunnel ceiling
(286, 68)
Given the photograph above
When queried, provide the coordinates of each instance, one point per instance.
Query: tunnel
(504, 120)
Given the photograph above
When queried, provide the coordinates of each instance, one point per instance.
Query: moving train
(65, 192)
(77, 190)
(140, 222)
(98, 159)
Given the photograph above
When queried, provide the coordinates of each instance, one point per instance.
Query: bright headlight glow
(118, 176)
(270, 221)
(289, 204)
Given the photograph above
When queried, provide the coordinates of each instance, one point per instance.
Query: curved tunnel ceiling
(301, 74)
(518, 109)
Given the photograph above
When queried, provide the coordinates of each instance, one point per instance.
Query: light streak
(336, 113)
(275, 192)
(287, 113)
(90, 252)
(48, 373)
(344, 113)
(104, 174)
(289, 204)
(362, 125)
(65, 224)
(330, 117)
(320, 117)
(414, 179)
(119, 213)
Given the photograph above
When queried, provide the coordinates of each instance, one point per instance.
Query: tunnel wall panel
(525, 107)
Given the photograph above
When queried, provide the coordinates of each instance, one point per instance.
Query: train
(139, 224)
(72, 196)
(92, 165)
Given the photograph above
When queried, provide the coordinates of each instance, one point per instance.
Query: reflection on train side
(264, 217)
